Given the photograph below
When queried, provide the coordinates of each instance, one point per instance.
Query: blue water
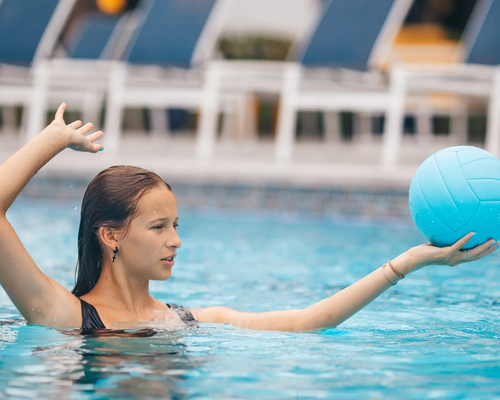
(434, 335)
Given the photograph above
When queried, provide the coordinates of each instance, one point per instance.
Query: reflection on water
(113, 364)
(434, 335)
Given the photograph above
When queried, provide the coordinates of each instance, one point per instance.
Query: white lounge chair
(349, 37)
(81, 78)
(477, 76)
(164, 66)
(28, 30)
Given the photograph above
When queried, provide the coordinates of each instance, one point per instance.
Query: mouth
(168, 260)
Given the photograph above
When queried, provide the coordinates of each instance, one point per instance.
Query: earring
(115, 252)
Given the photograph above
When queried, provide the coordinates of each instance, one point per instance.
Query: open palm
(452, 256)
(76, 133)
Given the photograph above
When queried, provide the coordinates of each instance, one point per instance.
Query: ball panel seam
(476, 240)
(483, 179)
(467, 180)
(477, 160)
(448, 189)
(430, 208)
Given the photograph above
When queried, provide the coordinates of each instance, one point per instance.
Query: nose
(174, 241)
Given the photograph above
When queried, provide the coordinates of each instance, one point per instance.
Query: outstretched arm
(39, 298)
(334, 310)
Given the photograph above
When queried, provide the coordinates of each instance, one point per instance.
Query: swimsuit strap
(184, 314)
(90, 318)
(92, 322)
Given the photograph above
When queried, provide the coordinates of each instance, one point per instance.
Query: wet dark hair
(111, 201)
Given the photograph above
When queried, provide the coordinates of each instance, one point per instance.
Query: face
(150, 245)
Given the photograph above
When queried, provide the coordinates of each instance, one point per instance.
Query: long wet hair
(111, 201)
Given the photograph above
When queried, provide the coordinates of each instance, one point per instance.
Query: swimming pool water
(434, 335)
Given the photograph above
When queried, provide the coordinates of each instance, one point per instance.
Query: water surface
(434, 335)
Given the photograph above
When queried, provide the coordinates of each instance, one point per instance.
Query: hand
(75, 133)
(427, 254)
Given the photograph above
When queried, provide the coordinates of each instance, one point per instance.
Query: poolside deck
(316, 164)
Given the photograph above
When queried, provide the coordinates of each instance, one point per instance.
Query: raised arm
(39, 298)
(334, 310)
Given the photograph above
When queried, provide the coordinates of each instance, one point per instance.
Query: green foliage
(254, 48)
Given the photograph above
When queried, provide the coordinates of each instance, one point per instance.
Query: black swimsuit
(92, 322)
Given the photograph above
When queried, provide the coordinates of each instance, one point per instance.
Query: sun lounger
(164, 65)
(28, 33)
(334, 70)
(477, 76)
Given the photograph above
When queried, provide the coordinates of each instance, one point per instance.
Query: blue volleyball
(454, 192)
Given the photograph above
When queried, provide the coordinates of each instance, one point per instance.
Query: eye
(176, 225)
(157, 227)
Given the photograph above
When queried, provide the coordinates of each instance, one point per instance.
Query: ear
(109, 237)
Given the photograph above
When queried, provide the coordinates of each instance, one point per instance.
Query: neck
(116, 289)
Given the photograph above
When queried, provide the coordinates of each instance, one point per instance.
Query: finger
(488, 250)
(75, 124)
(60, 111)
(95, 136)
(461, 243)
(477, 253)
(97, 147)
(481, 248)
(94, 148)
(85, 128)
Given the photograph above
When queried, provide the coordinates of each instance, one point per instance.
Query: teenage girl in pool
(128, 236)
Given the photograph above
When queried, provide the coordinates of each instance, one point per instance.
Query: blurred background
(289, 131)
(314, 94)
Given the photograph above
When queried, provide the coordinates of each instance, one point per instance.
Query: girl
(128, 236)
